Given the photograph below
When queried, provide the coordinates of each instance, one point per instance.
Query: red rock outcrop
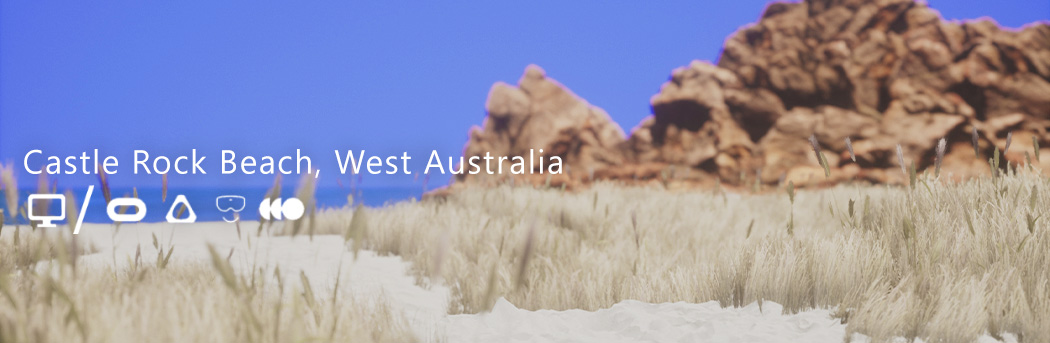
(542, 114)
(882, 73)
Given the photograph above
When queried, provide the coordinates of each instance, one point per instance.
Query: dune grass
(939, 261)
(45, 297)
(932, 260)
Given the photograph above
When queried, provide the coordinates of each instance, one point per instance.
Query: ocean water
(203, 201)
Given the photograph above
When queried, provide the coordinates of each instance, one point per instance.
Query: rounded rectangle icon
(138, 204)
(227, 203)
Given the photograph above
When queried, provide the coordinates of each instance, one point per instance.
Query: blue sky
(265, 78)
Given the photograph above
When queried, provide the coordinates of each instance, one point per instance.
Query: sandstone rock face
(884, 73)
(693, 124)
(539, 114)
(881, 73)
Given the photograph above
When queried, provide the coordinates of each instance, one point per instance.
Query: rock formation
(539, 114)
(882, 73)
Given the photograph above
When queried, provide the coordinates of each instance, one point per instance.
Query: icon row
(129, 209)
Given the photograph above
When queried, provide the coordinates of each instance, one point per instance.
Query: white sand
(324, 258)
(633, 321)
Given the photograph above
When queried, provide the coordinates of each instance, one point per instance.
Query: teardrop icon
(181, 199)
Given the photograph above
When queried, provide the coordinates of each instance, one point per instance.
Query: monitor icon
(46, 220)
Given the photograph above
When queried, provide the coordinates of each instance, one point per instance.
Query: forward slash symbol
(83, 210)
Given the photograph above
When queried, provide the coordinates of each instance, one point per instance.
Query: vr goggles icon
(230, 203)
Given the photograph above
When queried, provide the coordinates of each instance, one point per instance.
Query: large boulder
(540, 113)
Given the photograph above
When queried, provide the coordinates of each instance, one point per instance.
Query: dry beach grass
(944, 262)
(46, 298)
(939, 261)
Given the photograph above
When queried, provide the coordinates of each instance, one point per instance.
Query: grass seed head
(911, 175)
(164, 187)
(820, 156)
(225, 270)
(969, 224)
(941, 145)
(824, 164)
(7, 178)
(526, 255)
(995, 163)
(1035, 147)
(42, 187)
(849, 146)
(1034, 198)
(908, 228)
(973, 138)
(900, 160)
(308, 291)
(814, 143)
(103, 181)
(356, 232)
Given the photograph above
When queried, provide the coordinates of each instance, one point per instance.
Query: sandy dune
(324, 258)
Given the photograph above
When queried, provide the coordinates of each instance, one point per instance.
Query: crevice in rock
(973, 96)
(709, 166)
(884, 96)
(900, 24)
(756, 126)
(684, 114)
(842, 96)
(500, 124)
(754, 36)
(792, 99)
